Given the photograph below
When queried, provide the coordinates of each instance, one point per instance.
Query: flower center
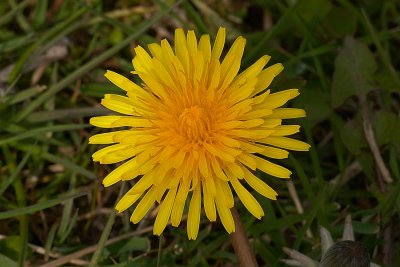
(194, 123)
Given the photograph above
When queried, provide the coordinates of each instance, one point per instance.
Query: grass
(341, 55)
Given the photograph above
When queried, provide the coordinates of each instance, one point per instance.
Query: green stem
(106, 232)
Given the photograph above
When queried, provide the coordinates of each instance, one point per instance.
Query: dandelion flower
(195, 127)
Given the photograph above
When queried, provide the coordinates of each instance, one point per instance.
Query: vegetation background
(342, 54)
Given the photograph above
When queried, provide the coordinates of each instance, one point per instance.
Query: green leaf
(341, 22)
(6, 261)
(353, 137)
(365, 228)
(354, 69)
(313, 11)
(316, 104)
(133, 244)
(386, 81)
(386, 127)
(10, 246)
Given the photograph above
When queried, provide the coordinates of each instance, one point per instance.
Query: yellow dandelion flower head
(195, 127)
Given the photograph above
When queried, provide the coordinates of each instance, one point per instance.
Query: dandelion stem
(241, 244)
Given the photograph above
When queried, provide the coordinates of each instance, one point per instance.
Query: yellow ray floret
(196, 127)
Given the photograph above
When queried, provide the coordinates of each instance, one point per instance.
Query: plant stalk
(241, 244)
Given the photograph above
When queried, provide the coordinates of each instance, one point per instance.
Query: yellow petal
(105, 121)
(142, 61)
(179, 204)
(273, 152)
(258, 185)
(203, 165)
(181, 50)
(209, 184)
(155, 50)
(193, 221)
(250, 147)
(231, 64)
(266, 76)
(167, 52)
(217, 169)
(162, 74)
(280, 98)
(192, 44)
(252, 71)
(252, 123)
(115, 176)
(144, 205)
(205, 46)
(286, 143)
(117, 156)
(104, 151)
(218, 44)
(284, 130)
(242, 92)
(126, 201)
(256, 114)
(219, 153)
(153, 85)
(164, 212)
(271, 123)
(247, 160)
(271, 168)
(104, 138)
(124, 83)
(287, 113)
(225, 215)
(161, 173)
(225, 193)
(247, 199)
(120, 104)
(260, 98)
(235, 169)
(230, 142)
(215, 75)
(251, 134)
(209, 205)
(143, 183)
(178, 159)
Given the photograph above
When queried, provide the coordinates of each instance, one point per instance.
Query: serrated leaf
(354, 69)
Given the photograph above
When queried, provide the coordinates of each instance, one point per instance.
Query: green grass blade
(142, 28)
(39, 206)
(43, 130)
(106, 232)
(49, 241)
(45, 116)
(16, 172)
